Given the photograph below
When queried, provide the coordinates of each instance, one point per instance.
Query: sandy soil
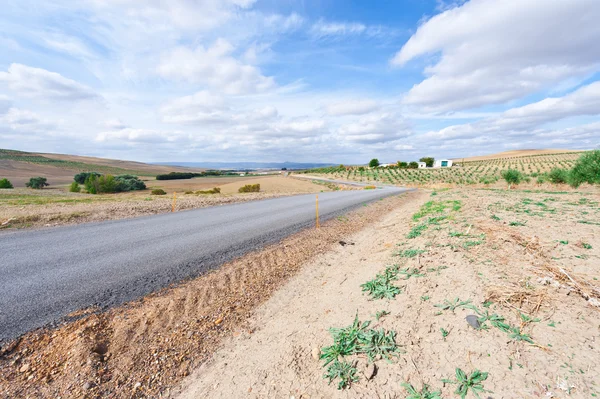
(23, 208)
(542, 277)
(144, 349)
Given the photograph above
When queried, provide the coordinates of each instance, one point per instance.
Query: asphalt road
(47, 274)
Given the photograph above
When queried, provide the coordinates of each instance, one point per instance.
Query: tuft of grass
(416, 231)
(409, 253)
(381, 314)
(355, 339)
(424, 393)
(469, 244)
(408, 273)
(382, 285)
(454, 304)
(432, 207)
(494, 217)
(473, 383)
(345, 371)
(516, 224)
(586, 245)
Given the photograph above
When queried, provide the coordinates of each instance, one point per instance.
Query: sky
(339, 81)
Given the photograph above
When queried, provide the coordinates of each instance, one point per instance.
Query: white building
(422, 165)
(442, 163)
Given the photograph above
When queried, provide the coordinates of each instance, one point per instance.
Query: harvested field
(22, 208)
(145, 348)
(531, 286)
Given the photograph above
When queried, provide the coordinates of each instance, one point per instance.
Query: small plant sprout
(586, 245)
(465, 383)
(444, 333)
(382, 285)
(452, 305)
(516, 224)
(408, 273)
(516, 334)
(425, 298)
(380, 314)
(424, 393)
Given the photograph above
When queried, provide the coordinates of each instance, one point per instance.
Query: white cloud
(493, 52)
(329, 29)
(199, 108)
(40, 83)
(352, 107)
(25, 122)
(375, 128)
(132, 135)
(214, 66)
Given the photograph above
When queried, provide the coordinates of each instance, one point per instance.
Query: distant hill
(514, 153)
(19, 166)
(248, 165)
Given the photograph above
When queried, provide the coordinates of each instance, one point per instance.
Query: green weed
(409, 253)
(452, 305)
(424, 393)
(516, 224)
(465, 383)
(345, 371)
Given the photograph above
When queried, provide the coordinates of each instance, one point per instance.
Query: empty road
(49, 273)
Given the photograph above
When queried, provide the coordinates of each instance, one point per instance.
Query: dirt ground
(24, 208)
(514, 153)
(143, 349)
(528, 258)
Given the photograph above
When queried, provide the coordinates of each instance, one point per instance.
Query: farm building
(442, 163)
(422, 165)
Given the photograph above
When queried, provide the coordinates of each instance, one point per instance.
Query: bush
(413, 165)
(373, 163)
(159, 191)
(512, 176)
(558, 176)
(129, 183)
(178, 176)
(75, 188)
(82, 177)
(37, 182)
(110, 184)
(5, 183)
(403, 165)
(586, 169)
(215, 190)
(250, 188)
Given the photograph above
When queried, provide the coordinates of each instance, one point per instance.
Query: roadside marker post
(174, 201)
(317, 211)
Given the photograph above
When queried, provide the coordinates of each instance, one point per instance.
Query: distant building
(443, 163)
(422, 165)
(386, 165)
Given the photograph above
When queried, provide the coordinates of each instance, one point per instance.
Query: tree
(413, 165)
(512, 176)
(429, 161)
(82, 177)
(586, 169)
(5, 183)
(374, 163)
(37, 182)
(403, 165)
(75, 187)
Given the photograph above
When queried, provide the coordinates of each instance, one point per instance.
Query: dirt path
(550, 346)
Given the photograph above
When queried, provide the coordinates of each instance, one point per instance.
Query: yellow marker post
(174, 201)
(317, 211)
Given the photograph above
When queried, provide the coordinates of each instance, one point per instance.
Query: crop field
(473, 173)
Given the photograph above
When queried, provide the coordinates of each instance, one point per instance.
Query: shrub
(403, 165)
(75, 188)
(37, 182)
(558, 176)
(512, 176)
(373, 163)
(129, 183)
(159, 191)
(586, 169)
(250, 188)
(178, 175)
(5, 183)
(82, 177)
(370, 187)
(413, 165)
(215, 190)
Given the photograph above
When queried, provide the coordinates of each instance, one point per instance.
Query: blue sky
(298, 80)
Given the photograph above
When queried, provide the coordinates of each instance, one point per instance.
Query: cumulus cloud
(32, 82)
(352, 107)
(132, 135)
(25, 122)
(375, 128)
(492, 52)
(214, 66)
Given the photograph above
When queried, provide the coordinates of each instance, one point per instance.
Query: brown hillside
(514, 153)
